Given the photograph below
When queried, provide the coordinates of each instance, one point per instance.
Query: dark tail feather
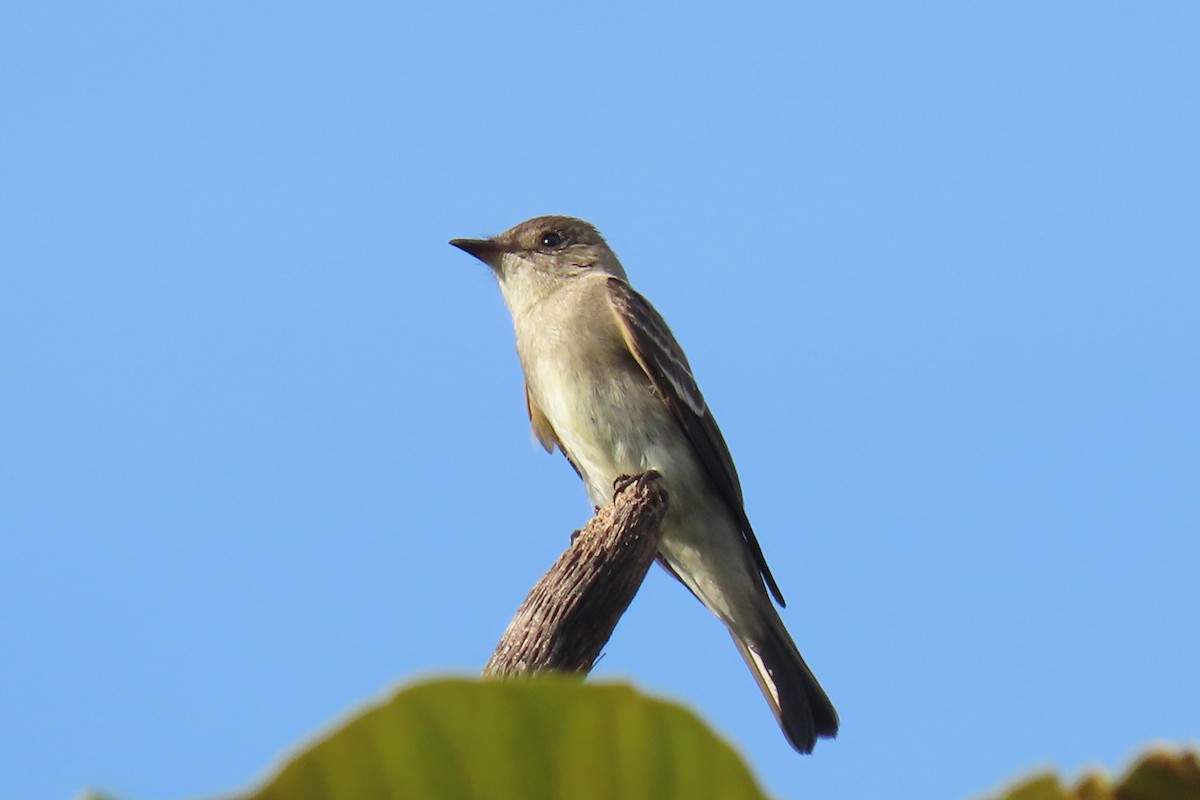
(798, 701)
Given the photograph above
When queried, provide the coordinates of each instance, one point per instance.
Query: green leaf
(1042, 787)
(520, 740)
(1158, 775)
(1163, 776)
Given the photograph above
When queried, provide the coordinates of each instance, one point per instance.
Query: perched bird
(607, 384)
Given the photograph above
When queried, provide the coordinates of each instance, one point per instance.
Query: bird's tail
(798, 701)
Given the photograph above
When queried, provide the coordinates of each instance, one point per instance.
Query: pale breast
(598, 400)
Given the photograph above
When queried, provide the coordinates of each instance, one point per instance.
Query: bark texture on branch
(572, 611)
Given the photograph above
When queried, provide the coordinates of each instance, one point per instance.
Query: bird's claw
(622, 483)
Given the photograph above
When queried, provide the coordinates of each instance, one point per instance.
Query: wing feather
(544, 431)
(542, 428)
(663, 361)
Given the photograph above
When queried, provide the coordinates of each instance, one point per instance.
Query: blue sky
(263, 447)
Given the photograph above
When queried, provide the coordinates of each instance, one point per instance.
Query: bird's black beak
(486, 250)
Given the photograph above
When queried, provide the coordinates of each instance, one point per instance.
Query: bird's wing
(540, 424)
(660, 357)
(544, 431)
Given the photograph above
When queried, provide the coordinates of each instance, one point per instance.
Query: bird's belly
(611, 427)
(620, 427)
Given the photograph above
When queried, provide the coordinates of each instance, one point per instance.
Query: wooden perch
(569, 615)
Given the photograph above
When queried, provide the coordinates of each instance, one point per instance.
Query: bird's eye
(553, 239)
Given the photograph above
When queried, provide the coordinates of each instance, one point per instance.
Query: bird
(607, 384)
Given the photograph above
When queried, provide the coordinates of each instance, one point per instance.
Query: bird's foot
(622, 483)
